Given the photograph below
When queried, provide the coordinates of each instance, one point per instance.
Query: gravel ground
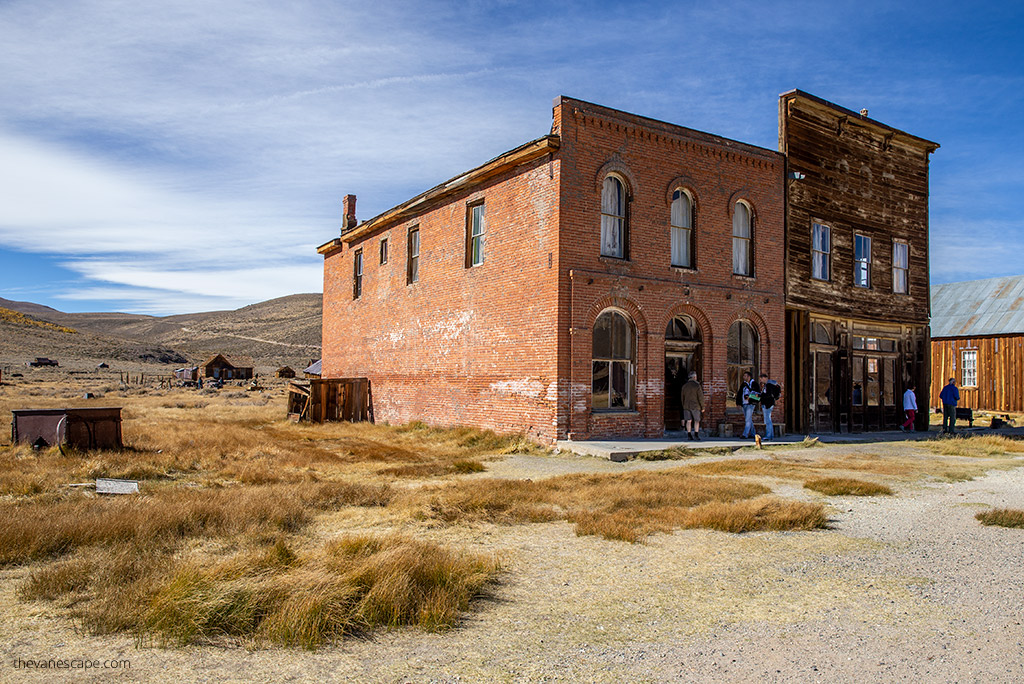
(903, 588)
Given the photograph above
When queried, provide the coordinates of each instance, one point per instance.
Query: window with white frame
(900, 266)
(614, 362)
(475, 234)
(861, 260)
(742, 240)
(969, 368)
(682, 229)
(821, 251)
(412, 264)
(613, 218)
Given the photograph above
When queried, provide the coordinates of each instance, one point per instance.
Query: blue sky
(188, 156)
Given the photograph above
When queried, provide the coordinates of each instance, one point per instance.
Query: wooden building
(285, 372)
(978, 338)
(857, 291)
(222, 367)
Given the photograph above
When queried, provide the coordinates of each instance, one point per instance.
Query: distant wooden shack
(313, 370)
(187, 374)
(285, 372)
(978, 338)
(82, 428)
(222, 367)
(335, 399)
(42, 361)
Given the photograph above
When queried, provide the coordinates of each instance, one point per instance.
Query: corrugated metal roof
(314, 368)
(994, 306)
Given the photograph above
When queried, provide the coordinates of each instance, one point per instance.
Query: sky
(190, 156)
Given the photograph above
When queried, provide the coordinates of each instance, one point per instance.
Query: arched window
(742, 240)
(682, 328)
(682, 229)
(614, 364)
(743, 353)
(613, 218)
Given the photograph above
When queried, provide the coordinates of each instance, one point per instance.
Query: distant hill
(279, 331)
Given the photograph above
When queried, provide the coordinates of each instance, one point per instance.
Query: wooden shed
(223, 367)
(978, 338)
(82, 428)
(285, 372)
(334, 399)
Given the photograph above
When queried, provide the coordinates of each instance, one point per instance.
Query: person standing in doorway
(909, 407)
(744, 401)
(770, 393)
(950, 397)
(693, 405)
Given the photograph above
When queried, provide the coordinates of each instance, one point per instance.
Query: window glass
(862, 261)
(476, 235)
(742, 237)
(821, 250)
(357, 274)
(613, 218)
(742, 353)
(384, 251)
(900, 266)
(682, 229)
(969, 368)
(682, 328)
(889, 384)
(614, 361)
(413, 269)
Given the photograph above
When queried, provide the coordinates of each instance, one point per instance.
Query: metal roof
(994, 306)
(314, 368)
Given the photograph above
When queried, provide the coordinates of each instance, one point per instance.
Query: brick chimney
(348, 211)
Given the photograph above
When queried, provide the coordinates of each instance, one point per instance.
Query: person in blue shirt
(949, 396)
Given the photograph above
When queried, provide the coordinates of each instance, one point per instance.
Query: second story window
(475, 234)
(900, 266)
(613, 218)
(742, 240)
(861, 260)
(383, 250)
(682, 229)
(412, 267)
(357, 274)
(821, 251)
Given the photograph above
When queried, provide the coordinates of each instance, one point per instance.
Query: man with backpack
(770, 393)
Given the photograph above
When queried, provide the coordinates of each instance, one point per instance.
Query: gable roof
(233, 361)
(994, 306)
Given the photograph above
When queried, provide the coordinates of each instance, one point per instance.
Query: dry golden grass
(625, 507)
(1003, 517)
(977, 446)
(844, 486)
(32, 530)
(268, 593)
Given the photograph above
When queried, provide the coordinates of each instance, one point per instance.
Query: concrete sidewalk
(625, 449)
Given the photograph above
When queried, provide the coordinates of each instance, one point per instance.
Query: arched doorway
(682, 355)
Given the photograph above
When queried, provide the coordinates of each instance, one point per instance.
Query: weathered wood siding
(1000, 371)
(858, 177)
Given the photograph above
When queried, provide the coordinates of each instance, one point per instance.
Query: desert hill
(280, 331)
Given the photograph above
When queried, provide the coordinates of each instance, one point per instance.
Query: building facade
(978, 339)
(857, 290)
(568, 286)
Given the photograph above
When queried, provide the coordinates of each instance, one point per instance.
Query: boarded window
(742, 240)
(969, 368)
(862, 261)
(412, 270)
(682, 229)
(743, 353)
(613, 218)
(357, 274)
(475, 234)
(821, 251)
(614, 362)
(900, 266)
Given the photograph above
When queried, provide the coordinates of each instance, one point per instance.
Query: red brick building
(566, 287)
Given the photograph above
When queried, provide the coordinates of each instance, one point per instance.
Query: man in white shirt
(909, 407)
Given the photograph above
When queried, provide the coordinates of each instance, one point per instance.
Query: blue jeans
(748, 420)
(769, 429)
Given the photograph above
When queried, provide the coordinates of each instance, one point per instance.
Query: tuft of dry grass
(844, 486)
(977, 446)
(625, 507)
(1003, 517)
(38, 530)
(270, 593)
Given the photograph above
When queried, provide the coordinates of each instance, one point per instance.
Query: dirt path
(904, 588)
